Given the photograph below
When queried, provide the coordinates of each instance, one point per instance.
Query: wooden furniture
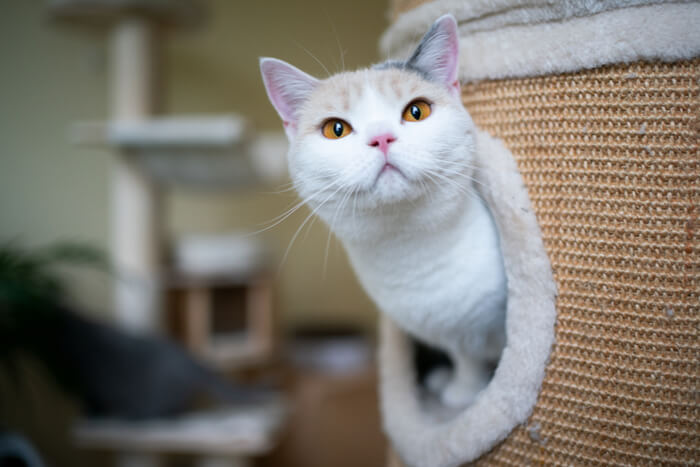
(228, 321)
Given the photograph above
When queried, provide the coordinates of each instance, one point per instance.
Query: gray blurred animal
(112, 372)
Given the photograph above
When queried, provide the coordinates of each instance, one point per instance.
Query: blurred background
(139, 130)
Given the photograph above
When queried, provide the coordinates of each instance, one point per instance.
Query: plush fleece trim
(517, 38)
(419, 437)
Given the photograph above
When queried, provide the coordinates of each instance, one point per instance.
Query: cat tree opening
(427, 433)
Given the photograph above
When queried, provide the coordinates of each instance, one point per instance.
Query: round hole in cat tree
(428, 433)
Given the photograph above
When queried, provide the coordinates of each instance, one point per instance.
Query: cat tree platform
(225, 437)
(196, 151)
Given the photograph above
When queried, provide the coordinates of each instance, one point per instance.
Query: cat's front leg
(467, 380)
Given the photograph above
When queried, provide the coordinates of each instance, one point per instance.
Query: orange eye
(335, 129)
(416, 111)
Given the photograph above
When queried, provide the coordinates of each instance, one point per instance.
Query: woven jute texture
(611, 161)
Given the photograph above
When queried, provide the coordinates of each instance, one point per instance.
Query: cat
(114, 373)
(384, 156)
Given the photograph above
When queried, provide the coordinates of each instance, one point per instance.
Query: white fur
(516, 38)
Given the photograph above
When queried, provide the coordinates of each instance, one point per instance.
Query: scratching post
(597, 106)
(136, 200)
(613, 178)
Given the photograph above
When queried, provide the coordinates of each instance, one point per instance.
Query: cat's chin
(390, 187)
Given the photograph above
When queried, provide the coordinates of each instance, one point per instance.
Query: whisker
(284, 216)
(331, 228)
(458, 163)
(460, 188)
(314, 57)
(448, 167)
(311, 214)
(337, 40)
(432, 174)
(462, 175)
(354, 208)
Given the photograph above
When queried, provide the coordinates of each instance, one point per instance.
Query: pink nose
(382, 142)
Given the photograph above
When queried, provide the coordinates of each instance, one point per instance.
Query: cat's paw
(458, 397)
(460, 393)
(438, 379)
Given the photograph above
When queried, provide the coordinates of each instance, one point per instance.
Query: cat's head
(395, 135)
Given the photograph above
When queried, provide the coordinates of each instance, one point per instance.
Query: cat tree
(153, 151)
(592, 172)
(150, 154)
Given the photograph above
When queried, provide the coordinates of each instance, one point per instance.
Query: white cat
(384, 156)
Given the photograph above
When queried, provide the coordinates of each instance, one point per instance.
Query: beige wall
(53, 74)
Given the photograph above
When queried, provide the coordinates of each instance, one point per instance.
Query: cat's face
(384, 136)
(392, 136)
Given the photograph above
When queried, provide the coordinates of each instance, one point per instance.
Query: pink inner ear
(452, 53)
(438, 53)
(456, 88)
(287, 87)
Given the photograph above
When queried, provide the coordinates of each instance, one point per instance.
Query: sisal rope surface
(611, 161)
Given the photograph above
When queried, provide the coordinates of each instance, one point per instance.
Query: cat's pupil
(415, 112)
(338, 129)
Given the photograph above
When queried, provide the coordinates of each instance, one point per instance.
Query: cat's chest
(436, 290)
(432, 297)
(440, 286)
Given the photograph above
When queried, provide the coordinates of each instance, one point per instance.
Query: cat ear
(438, 52)
(288, 88)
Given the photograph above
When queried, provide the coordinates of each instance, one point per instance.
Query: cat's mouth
(384, 184)
(386, 170)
